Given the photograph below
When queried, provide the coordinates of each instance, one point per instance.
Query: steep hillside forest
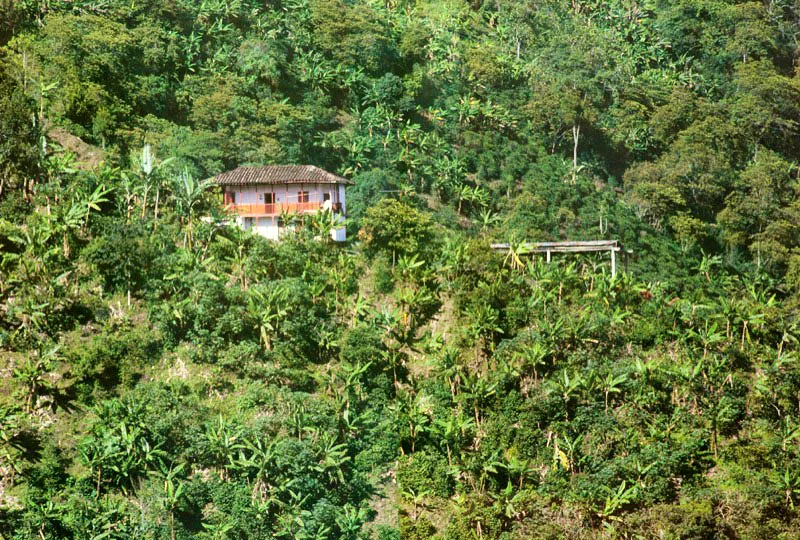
(167, 375)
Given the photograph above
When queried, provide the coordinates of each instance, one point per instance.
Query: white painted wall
(263, 226)
(288, 193)
(341, 198)
(339, 235)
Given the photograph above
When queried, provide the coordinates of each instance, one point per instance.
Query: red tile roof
(278, 174)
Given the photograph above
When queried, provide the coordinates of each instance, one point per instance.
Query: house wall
(340, 198)
(268, 228)
(263, 226)
(287, 193)
(339, 234)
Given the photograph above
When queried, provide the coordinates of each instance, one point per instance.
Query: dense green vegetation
(165, 375)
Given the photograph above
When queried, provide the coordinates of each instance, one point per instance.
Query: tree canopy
(166, 374)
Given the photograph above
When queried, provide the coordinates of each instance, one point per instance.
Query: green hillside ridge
(164, 374)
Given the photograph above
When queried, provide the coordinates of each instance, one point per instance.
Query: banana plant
(223, 439)
(11, 449)
(616, 499)
(350, 520)
(452, 431)
(516, 466)
(150, 171)
(708, 336)
(332, 461)
(567, 387)
(173, 493)
(268, 306)
(613, 385)
(483, 327)
(789, 483)
(188, 194)
(32, 374)
(256, 459)
(416, 498)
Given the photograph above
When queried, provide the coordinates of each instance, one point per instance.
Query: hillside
(165, 374)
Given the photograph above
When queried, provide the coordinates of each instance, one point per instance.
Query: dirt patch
(385, 505)
(88, 156)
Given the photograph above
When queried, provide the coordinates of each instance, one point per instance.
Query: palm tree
(534, 355)
(616, 499)
(269, 308)
(450, 430)
(151, 177)
(130, 192)
(32, 374)
(567, 458)
(476, 390)
(413, 412)
(789, 483)
(10, 447)
(568, 387)
(92, 202)
(613, 385)
(173, 493)
(287, 217)
(350, 520)
(516, 466)
(223, 440)
(515, 253)
(358, 308)
(237, 261)
(417, 499)
(487, 219)
(188, 194)
(66, 220)
(483, 326)
(707, 336)
(332, 461)
(325, 221)
(256, 459)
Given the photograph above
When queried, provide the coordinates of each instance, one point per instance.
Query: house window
(248, 222)
(326, 196)
(269, 198)
(302, 196)
(230, 197)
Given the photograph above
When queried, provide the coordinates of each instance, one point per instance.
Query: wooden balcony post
(613, 262)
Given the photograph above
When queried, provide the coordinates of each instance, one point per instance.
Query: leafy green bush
(424, 472)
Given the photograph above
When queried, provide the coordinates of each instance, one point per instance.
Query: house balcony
(276, 209)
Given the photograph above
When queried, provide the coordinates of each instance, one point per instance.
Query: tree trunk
(99, 477)
(576, 134)
(144, 201)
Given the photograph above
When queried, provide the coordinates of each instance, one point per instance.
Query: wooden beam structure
(569, 246)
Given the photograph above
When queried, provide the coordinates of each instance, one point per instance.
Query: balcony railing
(279, 208)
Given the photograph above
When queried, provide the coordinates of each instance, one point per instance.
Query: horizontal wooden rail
(569, 246)
(561, 247)
(276, 209)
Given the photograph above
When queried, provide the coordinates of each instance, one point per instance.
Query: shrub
(424, 472)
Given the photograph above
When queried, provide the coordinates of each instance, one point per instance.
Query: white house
(260, 196)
